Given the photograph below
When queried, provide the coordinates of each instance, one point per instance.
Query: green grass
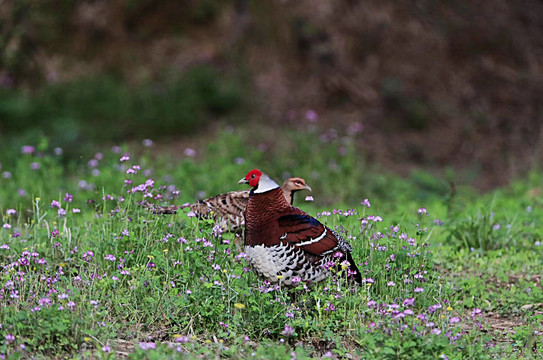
(115, 280)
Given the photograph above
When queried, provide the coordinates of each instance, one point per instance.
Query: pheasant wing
(307, 233)
(229, 207)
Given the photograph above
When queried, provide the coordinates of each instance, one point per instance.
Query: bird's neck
(289, 195)
(265, 184)
(261, 214)
(268, 202)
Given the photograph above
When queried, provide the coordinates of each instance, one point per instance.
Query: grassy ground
(86, 272)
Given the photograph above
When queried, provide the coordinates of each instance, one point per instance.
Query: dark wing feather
(307, 233)
(295, 219)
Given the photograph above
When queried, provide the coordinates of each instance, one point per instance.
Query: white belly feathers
(280, 263)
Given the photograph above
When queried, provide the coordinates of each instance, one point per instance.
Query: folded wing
(308, 233)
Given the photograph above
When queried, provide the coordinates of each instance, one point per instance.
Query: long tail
(353, 268)
(162, 210)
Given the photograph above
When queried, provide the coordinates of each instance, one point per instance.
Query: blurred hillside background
(443, 86)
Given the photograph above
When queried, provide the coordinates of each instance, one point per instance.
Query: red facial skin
(253, 177)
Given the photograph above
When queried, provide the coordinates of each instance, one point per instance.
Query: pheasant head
(292, 185)
(259, 181)
(295, 184)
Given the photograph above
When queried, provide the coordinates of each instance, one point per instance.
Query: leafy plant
(482, 232)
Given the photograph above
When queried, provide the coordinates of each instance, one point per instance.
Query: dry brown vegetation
(435, 83)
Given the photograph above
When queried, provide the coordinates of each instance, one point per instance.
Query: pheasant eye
(253, 176)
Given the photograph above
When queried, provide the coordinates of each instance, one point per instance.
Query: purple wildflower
(311, 116)
(27, 149)
(288, 331)
(190, 152)
(88, 256)
(399, 315)
(147, 142)
(454, 320)
(147, 345)
(45, 301)
(110, 257)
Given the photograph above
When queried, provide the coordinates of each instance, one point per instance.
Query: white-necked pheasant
(283, 243)
(228, 208)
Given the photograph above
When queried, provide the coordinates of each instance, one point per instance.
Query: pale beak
(307, 187)
(243, 181)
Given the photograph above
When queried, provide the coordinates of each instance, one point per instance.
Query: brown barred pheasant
(285, 244)
(228, 208)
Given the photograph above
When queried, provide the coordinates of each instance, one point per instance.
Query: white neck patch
(265, 184)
